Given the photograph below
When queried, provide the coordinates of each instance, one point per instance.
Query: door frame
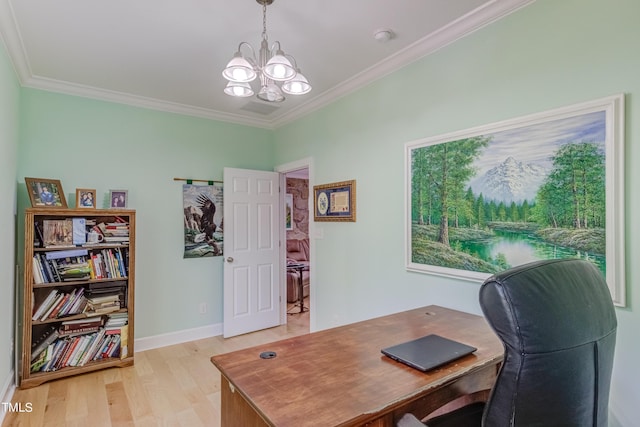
(307, 163)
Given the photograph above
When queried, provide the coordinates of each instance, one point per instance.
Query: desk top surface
(338, 375)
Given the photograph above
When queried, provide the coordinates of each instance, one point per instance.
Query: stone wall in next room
(299, 188)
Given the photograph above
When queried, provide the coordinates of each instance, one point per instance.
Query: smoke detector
(383, 35)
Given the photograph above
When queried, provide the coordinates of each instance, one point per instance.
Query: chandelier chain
(264, 20)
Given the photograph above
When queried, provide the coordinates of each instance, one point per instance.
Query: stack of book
(114, 232)
(102, 304)
(115, 322)
(109, 288)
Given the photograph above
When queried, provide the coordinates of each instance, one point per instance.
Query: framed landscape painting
(544, 186)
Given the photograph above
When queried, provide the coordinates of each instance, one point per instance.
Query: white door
(252, 223)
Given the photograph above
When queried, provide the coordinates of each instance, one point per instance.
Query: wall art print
(203, 222)
(544, 186)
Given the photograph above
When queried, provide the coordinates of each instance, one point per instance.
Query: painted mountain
(510, 181)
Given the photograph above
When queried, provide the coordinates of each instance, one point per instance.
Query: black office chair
(558, 326)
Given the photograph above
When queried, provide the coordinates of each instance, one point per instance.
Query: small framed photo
(335, 201)
(117, 199)
(85, 198)
(45, 193)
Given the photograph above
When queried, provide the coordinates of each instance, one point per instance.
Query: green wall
(550, 54)
(9, 105)
(94, 144)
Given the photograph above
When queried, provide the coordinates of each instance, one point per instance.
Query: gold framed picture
(85, 198)
(45, 193)
(335, 201)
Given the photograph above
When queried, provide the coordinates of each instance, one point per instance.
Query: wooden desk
(338, 377)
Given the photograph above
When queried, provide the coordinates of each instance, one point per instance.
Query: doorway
(297, 268)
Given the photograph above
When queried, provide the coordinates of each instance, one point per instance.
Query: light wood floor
(169, 386)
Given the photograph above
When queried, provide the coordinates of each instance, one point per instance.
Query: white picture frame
(593, 130)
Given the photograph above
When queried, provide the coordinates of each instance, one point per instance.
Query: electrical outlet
(203, 308)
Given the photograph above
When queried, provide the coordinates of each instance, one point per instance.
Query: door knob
(230, 259)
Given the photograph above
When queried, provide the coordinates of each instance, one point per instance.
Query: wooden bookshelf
(117, 272)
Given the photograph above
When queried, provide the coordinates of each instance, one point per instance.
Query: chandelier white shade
(272, 67)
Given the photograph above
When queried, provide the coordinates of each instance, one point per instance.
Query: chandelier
(273, 67)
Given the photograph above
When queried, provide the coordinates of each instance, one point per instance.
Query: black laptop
(428, 352)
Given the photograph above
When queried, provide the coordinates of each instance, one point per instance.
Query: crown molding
(465, 25)
(75, 89)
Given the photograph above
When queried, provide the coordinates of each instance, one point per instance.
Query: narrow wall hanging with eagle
(202, 220)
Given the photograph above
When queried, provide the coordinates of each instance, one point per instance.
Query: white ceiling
(169, 54)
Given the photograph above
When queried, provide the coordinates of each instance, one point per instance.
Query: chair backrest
(558, 326)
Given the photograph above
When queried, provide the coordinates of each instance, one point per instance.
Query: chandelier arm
(295, 64)
(273, 49)
(253, 52)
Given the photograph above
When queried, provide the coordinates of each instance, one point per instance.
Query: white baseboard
(6, 392)
(171, 338)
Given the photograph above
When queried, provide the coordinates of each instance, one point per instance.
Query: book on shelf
(58, 346)
(38, 275)
(124, 341)
(84, 343)
(52, 306)
(57, 232)
(38, 234)
(92, 348)
(79, 231)
(79, 331)
(42, 359)
(78, 271)
(74, 344)
(47, 337)
(54, 313)
(116, 239)
(112, 347)
(44, 305)
(86, 322)
(70, 253)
